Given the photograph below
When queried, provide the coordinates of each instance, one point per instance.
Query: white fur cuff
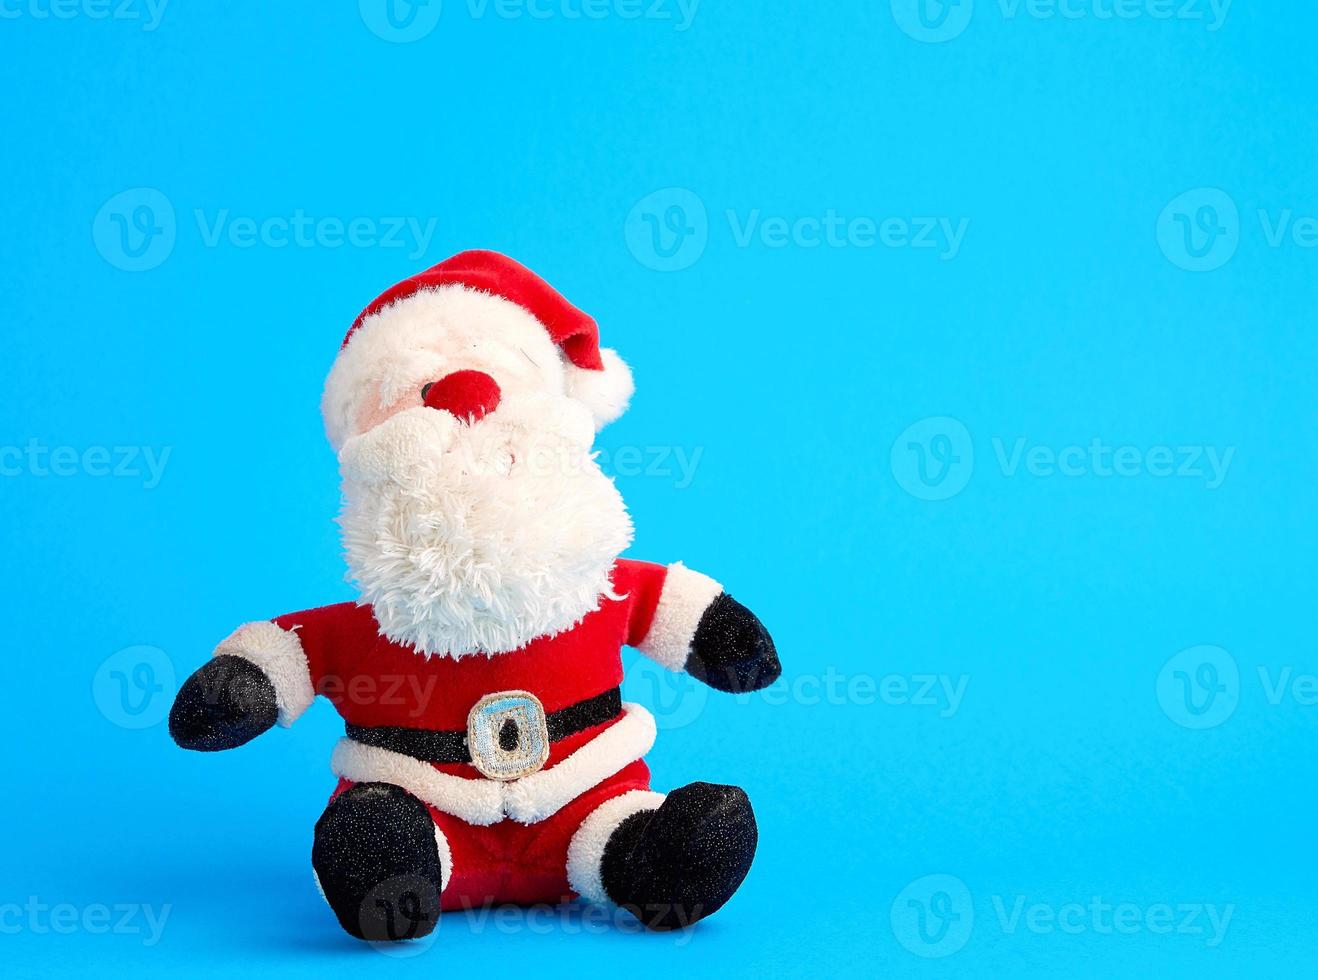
(586, 852)
(685, 597)
(484, 802)
(279, 654)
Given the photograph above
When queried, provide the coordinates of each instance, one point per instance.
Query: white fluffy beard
(478, 539)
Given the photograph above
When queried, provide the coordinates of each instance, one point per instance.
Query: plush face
(472, 534)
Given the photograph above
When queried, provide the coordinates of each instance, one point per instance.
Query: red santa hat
(470, 286)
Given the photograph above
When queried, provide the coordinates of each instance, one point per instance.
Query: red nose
(470, 395)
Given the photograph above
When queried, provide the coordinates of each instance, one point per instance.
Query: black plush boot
(673, 866)
(378, 864)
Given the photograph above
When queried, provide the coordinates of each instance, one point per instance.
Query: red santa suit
(515, 754)
(478, 674)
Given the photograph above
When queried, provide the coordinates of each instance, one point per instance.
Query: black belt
(449, 746)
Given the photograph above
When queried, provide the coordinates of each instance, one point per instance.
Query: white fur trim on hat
(586, 852)
(606, 393)
(450, 328)
(428, 335)
(279, 654)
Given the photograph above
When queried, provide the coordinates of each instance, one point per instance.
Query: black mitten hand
(732, 651)
(223, 705)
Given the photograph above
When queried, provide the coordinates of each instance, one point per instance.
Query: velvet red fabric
(517, 863)
(571, 329)
(373, 681)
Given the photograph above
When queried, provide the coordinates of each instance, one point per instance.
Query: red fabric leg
(516, 863)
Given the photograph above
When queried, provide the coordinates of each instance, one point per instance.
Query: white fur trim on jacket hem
(483, 802)
(278, 652)
(475, 801)
(685, 597)
(542, 794)
(586, 852)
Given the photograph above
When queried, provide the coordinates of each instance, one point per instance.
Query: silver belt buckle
(507, 735)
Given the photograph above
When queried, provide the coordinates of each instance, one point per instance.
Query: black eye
(425, 389)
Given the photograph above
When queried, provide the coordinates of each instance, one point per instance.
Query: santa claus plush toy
(488, 755)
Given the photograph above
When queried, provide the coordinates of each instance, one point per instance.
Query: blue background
(624, 158)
